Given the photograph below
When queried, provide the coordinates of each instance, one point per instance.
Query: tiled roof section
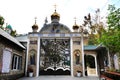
(9, 37)
(90, 47)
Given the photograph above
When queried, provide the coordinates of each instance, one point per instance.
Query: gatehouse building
(56, 50)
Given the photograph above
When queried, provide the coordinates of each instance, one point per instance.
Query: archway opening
(90, 68)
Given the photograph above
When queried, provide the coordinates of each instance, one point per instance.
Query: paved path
(59, 78)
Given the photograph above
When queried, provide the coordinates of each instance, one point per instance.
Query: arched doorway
(55, 57)
(90, 65)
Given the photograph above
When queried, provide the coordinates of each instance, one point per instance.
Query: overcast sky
(20, 14)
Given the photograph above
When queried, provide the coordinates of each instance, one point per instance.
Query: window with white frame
(16, 62)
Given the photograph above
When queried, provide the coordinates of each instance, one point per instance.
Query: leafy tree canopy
(111, 37)
(1, 22)
(12, 33)
(95, 27)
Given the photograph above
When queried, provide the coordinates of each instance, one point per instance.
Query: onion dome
(55, 15)
(54, 26)
(35, 26)
(8, 28)
(75, 26)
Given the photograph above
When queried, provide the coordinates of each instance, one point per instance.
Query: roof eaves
(9, 37)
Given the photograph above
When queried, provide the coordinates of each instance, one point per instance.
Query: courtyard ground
(59, 78)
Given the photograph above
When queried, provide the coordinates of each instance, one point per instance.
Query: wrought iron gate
(55, 57)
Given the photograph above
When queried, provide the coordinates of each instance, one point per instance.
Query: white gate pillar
(38, 57)
(71, 51)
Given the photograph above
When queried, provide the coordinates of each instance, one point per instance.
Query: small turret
(35, 26)
(75, 26)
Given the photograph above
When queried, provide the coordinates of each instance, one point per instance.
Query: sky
(20, 14)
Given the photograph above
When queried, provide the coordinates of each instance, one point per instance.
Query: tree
(13, 33)
(1, 22)
(95, 27)
(111, 37)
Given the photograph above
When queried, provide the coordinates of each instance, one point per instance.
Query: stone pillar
(38, 57)
(82, 48)
(71, 44)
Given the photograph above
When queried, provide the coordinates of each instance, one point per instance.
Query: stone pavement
(59, 78)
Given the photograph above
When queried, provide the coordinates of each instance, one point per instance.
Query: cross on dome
(75, 20)
(55, 6)
(35, 19)
(35, 26)
(55, 15)
(75, 26)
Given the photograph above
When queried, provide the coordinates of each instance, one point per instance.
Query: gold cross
(35, 19)
(75, 19)
(55, 7)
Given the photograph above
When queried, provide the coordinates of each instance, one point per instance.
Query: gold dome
(55, 15)
(75, 26)
(35, 26)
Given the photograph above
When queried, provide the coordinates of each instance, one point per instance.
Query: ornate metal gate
(55, 57)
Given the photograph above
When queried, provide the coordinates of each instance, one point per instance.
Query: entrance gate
(54, 56)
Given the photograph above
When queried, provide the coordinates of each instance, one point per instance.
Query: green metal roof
(9, 27)
(90, 47)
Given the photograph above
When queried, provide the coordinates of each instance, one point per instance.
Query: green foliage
(113, 18)
(111, 37)
(95, 28)
(13, 33)
(93, 39)
(1, 22)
